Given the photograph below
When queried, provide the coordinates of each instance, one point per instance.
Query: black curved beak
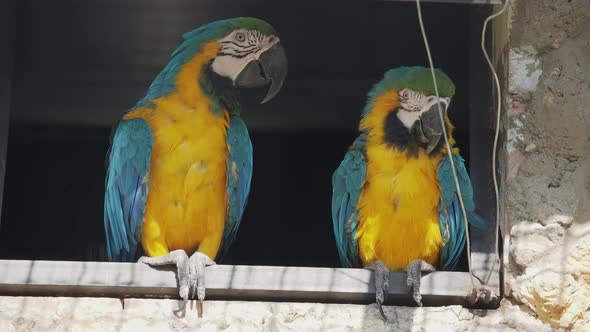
(271, 68)
(428, 129)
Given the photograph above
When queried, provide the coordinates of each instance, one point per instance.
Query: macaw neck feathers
(397, 136)
(188, 77)
(221, 89)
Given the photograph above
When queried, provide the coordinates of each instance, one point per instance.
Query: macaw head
(224, 56)
(403, 109)
(250, 54)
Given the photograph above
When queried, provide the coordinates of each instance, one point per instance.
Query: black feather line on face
(232, 43)
(239, 56)
(242, 50)
(397, 136)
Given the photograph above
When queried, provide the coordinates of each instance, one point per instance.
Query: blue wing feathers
(347, 184)
(126, 188)
(456, 237)
(239, 177)
(450, 214)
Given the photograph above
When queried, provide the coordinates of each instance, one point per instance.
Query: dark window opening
(74, 77)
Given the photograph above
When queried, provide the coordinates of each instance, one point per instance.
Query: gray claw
(381, 285)
(414, 272)
(198, 262)
(417, 297)
(191, 273)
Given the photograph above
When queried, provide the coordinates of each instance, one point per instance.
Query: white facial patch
(238, 49)
(408, 118)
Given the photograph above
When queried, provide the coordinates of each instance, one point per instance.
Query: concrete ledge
(18, 314)
(224, 282)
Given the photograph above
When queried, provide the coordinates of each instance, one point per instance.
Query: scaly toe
(197, 265)
(414, 275)
(381, 274)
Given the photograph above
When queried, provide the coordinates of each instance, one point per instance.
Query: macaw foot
(191, 273)
(381, 284)
(482, 292)
(414, 272)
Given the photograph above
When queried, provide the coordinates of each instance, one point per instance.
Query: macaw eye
(406, 94)
(240, 37)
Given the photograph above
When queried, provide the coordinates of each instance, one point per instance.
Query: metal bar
(467, 2)
(7, 37)
(224, 282)
(481, 124)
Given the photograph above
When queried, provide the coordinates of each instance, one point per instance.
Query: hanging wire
(496, 135)
(498, 117)
(449, 152)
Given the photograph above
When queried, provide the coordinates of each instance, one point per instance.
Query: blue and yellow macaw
(180, 162)
(395, 205)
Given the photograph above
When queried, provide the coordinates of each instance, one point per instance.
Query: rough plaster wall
(549, 160)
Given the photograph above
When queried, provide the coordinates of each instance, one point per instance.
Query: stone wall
(549, 161)
(548, 208)
(101, 314)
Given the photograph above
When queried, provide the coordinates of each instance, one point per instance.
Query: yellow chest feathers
(398, 218)
(187, 198)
